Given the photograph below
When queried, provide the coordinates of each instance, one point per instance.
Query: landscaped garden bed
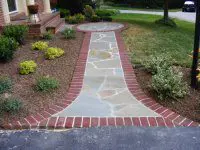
(47, 81)
(145, 41)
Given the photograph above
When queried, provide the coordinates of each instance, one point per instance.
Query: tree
(166, 12)
(166, 20)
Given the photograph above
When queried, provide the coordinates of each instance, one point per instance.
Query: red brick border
(44, 120)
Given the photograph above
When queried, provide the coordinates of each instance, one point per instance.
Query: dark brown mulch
(61, 68)
(188, 107)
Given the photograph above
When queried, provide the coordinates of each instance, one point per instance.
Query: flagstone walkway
(104, 92)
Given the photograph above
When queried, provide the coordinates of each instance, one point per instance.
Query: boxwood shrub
(7, 48)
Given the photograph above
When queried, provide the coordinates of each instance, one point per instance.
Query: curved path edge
(44, 119)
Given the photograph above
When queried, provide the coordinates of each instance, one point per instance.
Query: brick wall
(41, 6)
(1, 15)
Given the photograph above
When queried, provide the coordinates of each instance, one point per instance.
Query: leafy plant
(48, 35)
(80, 18)
(10, 105)
(45, 84)
(18, 32)
(7, 48)
(154, 62)
(40, 46)
(64, 12)
(105, 12)
(5, 84)
(95, 18)
(54, 52)
(89, 12)
(168, 83)
(69, 33)
(27, 67)
(71, 20)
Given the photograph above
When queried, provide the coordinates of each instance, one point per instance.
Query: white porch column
(5, 9)
(23, 6)
(47, 6)
(30, 2)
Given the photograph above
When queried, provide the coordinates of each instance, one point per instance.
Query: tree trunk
(166, 14)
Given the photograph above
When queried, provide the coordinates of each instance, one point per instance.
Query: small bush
(80, 18)
(169, 22)
(40, 46)
(154, 62)
(27, 67)
(106, 18)
(47, 35)
(5, 84)
(7, 48)
(53, 52)
(64, 12)
(105, 12)
(69, 33)
(18, 32)
(71, 20)
(169, 84)
(45, 84)
(89, 12)
(95, 18)
(10, 105)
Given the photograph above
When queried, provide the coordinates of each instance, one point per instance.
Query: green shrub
(18, 32)
(71, 20)
(69, 33)
(7, 48)
(64, 12)
(95, 18)
(80, 18)
(45, 84)
(54, 52)
(89, 12)
(5, 84)
(154, 62)
(105, 12)
(10, 105)
(168, 83)
(40, 46)
(48, 35)
(27, 67)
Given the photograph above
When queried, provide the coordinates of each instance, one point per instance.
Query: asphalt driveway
(186, 16)
(105, 138)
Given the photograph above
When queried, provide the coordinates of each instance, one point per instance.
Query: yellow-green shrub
(40, 46)
(53, 52)
(27, 67)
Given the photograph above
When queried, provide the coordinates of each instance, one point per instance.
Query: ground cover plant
(145, 38)
(5, 84)
(69, 33)
(46, 84)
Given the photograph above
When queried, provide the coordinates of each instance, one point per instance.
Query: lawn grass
(141, 9)
(144, 38)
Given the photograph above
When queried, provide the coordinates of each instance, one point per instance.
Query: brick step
(55, 25)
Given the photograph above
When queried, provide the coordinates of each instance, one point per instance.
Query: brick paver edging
(44, 120)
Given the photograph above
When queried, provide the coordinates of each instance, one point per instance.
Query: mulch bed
(188, 107)
(61, 68)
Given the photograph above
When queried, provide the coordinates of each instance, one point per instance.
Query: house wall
(2, 22)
